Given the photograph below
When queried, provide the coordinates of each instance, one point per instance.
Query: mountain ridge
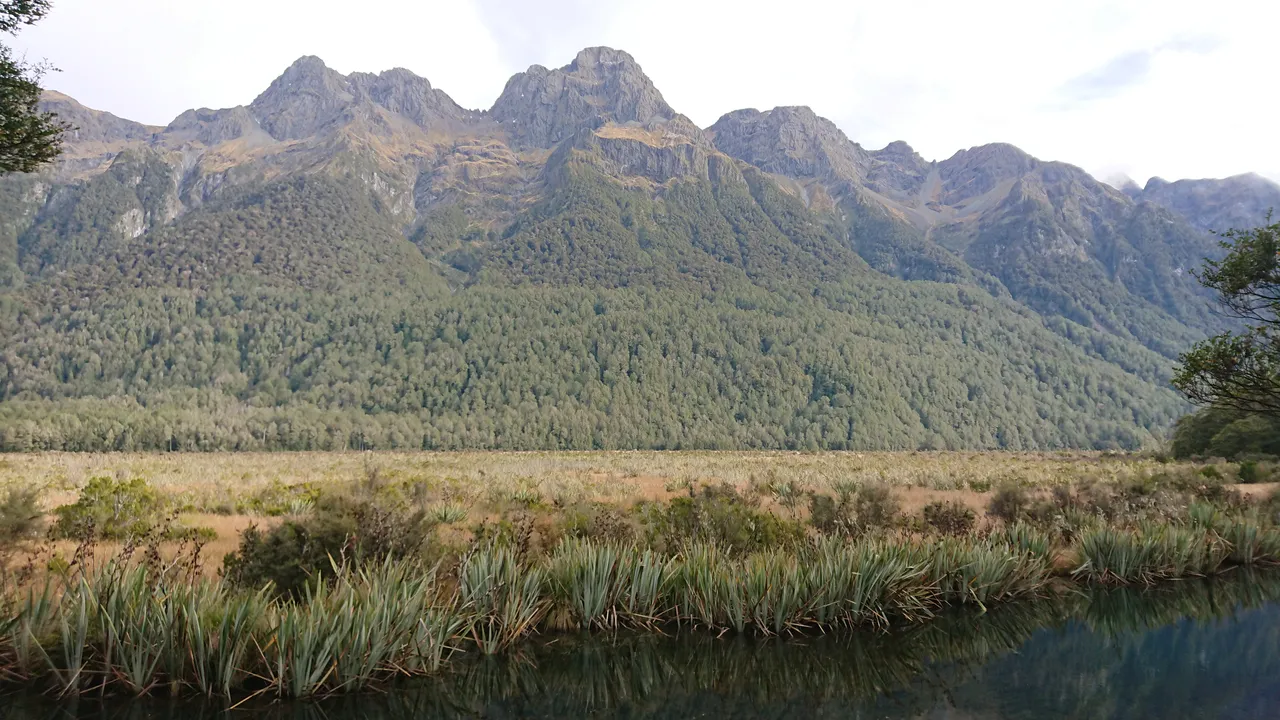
(356, 260)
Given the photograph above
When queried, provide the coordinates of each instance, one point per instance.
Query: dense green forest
(718, 314)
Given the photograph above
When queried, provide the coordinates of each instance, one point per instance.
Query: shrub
(720, 515)
(949, 518)
(20, 517)
(875, 507)
(1010, 503)
(858, 510)
(826, 515)
(339, 531)
(279, 499)
(110, 509)
(598, 521)
(1250, 473)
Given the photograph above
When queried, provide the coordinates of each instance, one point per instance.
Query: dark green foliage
(949, 517)
(1241, 370)
(28, 138)
(20, 517)
(110, 509)
(721, 515)
(339, 531)
(1226, 432)
(1252, 472)
(294, 316)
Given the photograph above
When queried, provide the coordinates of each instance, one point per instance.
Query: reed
(503, 599)
(137, 627)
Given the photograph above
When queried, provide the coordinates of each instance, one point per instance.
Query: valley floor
(224, 493)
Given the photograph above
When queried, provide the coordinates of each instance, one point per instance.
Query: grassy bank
(347, 584)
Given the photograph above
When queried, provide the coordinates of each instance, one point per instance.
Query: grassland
(304, 574)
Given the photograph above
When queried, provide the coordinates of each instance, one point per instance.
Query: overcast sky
(1143, 87)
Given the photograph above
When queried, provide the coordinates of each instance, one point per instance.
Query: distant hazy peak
(541, 107)
(1239, 201)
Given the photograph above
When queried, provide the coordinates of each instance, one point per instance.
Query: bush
(338, 531)
(858, 510)
(827, 516)
(279, 499)
(1010, 503)
(20, 517)
(720, 515)
(876, 507)
(110, 509)
(598, 521)
(950, 518)
(1250, 473)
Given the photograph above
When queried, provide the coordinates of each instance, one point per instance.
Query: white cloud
(1149, 87)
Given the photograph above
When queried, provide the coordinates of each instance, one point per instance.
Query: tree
(28, 137)
(1241, 370)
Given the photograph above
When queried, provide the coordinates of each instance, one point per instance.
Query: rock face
(541, 107)
(1240, 201)
(213, 127)
(92, 126)
(791, 141)
(307, 97)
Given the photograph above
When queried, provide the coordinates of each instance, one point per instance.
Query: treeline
(1226, 432)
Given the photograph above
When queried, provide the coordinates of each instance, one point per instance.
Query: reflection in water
(1189, 650)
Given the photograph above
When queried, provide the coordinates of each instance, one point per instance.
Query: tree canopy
(1241, 369)
(29, 138)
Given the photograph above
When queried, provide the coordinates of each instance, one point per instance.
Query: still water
(1191, 650)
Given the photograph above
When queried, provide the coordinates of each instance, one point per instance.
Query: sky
(1135, 87)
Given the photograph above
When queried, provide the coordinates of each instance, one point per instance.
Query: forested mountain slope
(356, 261)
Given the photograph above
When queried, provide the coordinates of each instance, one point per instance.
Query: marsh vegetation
(407, 564)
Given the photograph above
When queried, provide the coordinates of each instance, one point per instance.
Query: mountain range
(357, 261)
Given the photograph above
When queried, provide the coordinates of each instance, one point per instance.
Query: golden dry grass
(482, 484)
(206, 480)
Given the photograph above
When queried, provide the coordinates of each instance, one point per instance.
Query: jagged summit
(309, 96)
(541, 107)
(791, 140)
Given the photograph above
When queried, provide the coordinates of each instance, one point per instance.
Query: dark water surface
(1191, 650)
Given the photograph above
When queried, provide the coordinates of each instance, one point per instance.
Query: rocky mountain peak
(541, 107)
(407, 94)
(305, 98)
(791, 140)
(898, 149)
(309, 95)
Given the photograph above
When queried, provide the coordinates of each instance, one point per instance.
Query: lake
(1183, 650)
